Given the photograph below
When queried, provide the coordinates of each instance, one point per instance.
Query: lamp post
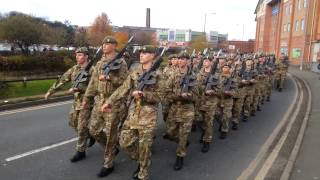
(205, 20)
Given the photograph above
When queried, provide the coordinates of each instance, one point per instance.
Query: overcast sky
(230, 15)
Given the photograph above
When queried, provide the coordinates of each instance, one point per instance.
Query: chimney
(148, 18)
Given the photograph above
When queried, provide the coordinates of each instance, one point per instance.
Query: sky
(233, 17)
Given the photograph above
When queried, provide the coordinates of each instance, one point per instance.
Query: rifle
(114, 64)
(147, 77)
(230, 84)
(188, 81)
(82, 77)
(211, 81)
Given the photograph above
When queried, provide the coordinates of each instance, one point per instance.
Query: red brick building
(291, 27)
(243, 46)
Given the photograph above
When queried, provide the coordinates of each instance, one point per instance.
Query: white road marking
(245, 175)
(34, 108)
(293, 156)
(275, 152)
(40, 149)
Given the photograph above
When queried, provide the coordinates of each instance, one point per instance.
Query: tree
(121, 38)
(22, 30)
(81, 38)
(146, 38)
(199, 43)
(100, 28)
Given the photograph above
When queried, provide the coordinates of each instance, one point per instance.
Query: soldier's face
(81, 58)
(182, 62)
(146, 57)
(222, 62)
(174, 61)
(207, 63)
(226, 70)
(196, 60)
(108, 48)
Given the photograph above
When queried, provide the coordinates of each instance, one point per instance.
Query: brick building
(243, 46)
(291, 27)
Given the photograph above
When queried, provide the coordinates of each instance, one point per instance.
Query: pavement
(308, 161)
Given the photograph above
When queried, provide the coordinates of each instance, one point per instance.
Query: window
(290, 9)
(305, 3)
(287, 10)
(180, 38)
(299, 4)
(289, 25)
(297, 25)
(285, 28)
(302, 24)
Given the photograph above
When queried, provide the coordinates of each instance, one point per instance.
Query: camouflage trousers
(138, 143)
(112, 122)
(248, 101)
(268, 87)
(225, 105)
(79, 120)
(179, 125)
(207, 112)
(165, 109)
(257, 96)
(97, 124)
(237, 109)
(280, 77)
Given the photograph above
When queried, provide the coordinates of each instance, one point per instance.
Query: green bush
(44, 62)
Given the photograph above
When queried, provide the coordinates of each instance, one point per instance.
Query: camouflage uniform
(238, 100)
(181, 114)
(225, 102)
(250, 92)
(207, 107)
(104, 126)
(138, 130)
(281, 71)
(168, 72)
(78, 116)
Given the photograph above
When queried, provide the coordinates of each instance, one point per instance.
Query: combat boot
(223, 135)
(105, 171)
(78, 156)
(178, 165)
(234, 126)
(245, 118)
(258, 108)
(136, 173)
(205, 147)
(268, 99)
(253, 113)
(194, 128)
(202, 135)
(280, 89)
(92, 141)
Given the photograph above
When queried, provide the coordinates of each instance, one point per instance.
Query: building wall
(294, 29)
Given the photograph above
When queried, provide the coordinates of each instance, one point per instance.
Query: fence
(25, 80)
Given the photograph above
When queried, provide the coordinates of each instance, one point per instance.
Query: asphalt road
(30, 130)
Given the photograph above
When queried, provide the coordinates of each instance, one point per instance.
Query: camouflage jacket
(142, 115)
(103, 89)
(69, 76)
(206, 101)
(175, 89)
(281, 66)
(222, 83)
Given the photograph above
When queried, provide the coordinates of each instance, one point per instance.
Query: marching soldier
(78, 116)
(181, 113)
(248, 81)
(208, 103)
(104, 126)
(138, 130)
(281, 71)
(225, 99)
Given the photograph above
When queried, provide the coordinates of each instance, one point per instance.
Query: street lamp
(205, 20)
